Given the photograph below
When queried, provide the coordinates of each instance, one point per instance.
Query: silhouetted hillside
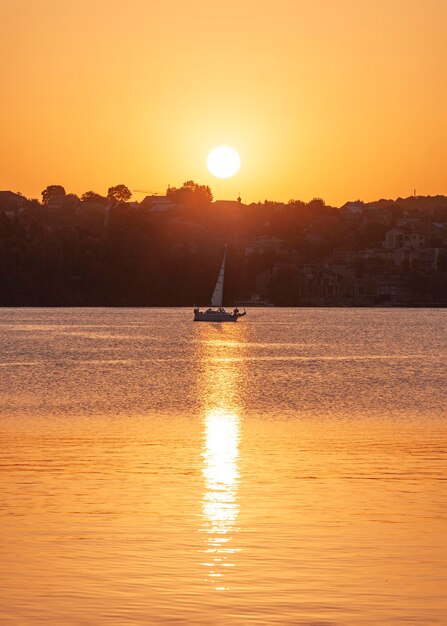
(166, 250)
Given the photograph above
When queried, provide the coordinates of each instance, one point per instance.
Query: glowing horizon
(334, 100)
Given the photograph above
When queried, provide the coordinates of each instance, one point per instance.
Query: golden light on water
(220, 469)
(221, 473)
(277, 494)
(221, 439)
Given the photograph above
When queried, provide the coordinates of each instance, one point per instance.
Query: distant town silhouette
(165, 250)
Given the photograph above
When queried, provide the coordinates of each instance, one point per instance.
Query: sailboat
(216, 313)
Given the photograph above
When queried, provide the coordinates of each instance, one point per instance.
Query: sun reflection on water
(220, 469)
(221, 438)
(221, 473)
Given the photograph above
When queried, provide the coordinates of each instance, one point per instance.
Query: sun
(223, 162)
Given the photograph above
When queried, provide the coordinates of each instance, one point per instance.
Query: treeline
(105, 250)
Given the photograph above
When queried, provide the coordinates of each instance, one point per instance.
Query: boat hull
(215, 316)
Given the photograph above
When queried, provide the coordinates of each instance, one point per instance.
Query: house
(424, 258)
(392, 288)
(157, 204)
(321, 285)
(12, 203)
(368, 254)
(11, 199)
(228, 204)
(438, 233)
(404, 238)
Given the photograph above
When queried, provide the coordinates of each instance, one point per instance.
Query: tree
(119, 193)
(92, 196)
(71, 201)
(190, 194)
(52, 192)
(316, 203)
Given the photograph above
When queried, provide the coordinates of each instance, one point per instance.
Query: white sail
(217, 298)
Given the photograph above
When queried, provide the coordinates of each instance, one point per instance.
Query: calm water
(287, 469)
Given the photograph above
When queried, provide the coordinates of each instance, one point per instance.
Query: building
(228, 204)
(11, 203)
(157, 204)
(320, 285)
(392, 288)
(404, 238)
(426, 259)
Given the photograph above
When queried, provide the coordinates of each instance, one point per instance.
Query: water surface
(287, 469)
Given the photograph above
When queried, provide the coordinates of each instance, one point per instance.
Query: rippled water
(287, 469)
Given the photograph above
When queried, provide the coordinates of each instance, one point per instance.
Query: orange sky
(342, 99)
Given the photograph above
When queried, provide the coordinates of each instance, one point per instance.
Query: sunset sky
(341, 99)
